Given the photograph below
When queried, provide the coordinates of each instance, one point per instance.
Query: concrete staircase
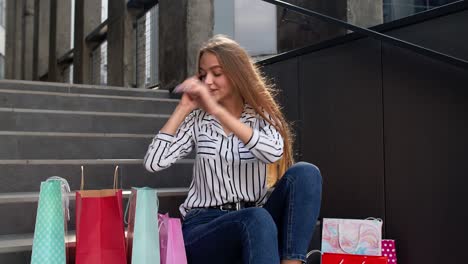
(50, 129)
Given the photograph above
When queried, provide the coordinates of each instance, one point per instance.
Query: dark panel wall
(287, 83)
(342, 113)
(389, 130)
(426, 128)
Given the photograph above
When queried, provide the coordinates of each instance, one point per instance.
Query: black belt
(234, 206)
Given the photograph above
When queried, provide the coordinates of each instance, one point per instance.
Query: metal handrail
(376, 35)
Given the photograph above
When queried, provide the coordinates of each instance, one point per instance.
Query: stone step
(85, 102)
(19, 145)
(23, 214)
(27, 175)
(38, 120)
(46, 145)
(83, 89)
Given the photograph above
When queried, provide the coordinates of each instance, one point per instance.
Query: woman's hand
(196, 94)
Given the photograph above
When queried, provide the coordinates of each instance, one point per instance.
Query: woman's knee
(305, 174)
(259, 220)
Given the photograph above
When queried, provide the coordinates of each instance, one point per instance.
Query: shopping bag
(143, 234)
(352, 236)
(389, 250)
(51, 217)
(171, 240)
(100, 234)
(331, 258)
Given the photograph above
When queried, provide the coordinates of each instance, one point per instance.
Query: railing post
(59, 36)
(41, 38)
(14, 39)
(87, 18)
(120, 45)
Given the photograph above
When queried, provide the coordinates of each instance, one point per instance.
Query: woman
(228, 114)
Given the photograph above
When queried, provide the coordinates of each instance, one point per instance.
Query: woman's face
(211, 73)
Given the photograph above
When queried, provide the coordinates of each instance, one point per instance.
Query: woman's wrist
(183, 110)
(217, 111)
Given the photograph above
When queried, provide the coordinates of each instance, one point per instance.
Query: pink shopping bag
(171, 240)
(388, 250)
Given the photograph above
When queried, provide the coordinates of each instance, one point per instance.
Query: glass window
(252, 23)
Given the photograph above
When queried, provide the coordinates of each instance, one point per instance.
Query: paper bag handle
(359, 235)
(357, 244)
(116, 177)
(82, 178)
(126, 214)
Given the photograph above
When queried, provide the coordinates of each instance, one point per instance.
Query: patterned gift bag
(388, 250)
(49, 232)
(352, 236)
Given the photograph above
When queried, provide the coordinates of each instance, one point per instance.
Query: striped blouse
(226, 170)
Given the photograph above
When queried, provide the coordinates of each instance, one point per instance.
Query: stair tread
(23, 242)
(81, 86)
(21, 197)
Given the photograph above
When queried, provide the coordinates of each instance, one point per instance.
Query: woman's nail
(178, 88)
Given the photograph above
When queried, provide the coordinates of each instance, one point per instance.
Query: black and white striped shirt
(226, 170)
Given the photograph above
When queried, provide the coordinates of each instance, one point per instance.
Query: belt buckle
(223, 208)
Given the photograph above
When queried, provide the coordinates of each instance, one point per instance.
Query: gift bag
(352, 236)
(143, 234)
(330, 258)
(52, 214)
(100, 237)
(171, 240)
(388, 250)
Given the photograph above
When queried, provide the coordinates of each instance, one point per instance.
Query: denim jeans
(282, 229)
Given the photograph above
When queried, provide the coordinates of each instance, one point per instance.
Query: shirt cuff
(164, 137)
(253, 140)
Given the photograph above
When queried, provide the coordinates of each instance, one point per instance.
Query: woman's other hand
(197, 94)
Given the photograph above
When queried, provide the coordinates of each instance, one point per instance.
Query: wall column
(87, 18)
(59, 36)
(14, 39)
(120, 45)
(184, 26)
(41, 38)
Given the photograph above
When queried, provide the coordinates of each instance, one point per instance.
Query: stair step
(34, 120)
(23, 213)
(28, 197)
(82, 89)
(65, 145)
(27, 175)
(23, 242)
(46, 145)
(85, 102)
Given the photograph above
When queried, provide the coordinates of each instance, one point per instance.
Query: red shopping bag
(100, 237)
(171, 240)
(330, 258)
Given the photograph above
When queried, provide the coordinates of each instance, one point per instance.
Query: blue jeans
(282, 229)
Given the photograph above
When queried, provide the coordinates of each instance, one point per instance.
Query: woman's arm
(174, 140)
(265, 143)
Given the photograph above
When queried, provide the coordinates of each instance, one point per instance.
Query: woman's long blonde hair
(247, 79)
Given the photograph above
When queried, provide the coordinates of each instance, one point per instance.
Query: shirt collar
(248, 116)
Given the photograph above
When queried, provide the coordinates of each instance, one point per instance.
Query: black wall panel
(426, 154)
(284, 75)
(342, 132)
(389, 130)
